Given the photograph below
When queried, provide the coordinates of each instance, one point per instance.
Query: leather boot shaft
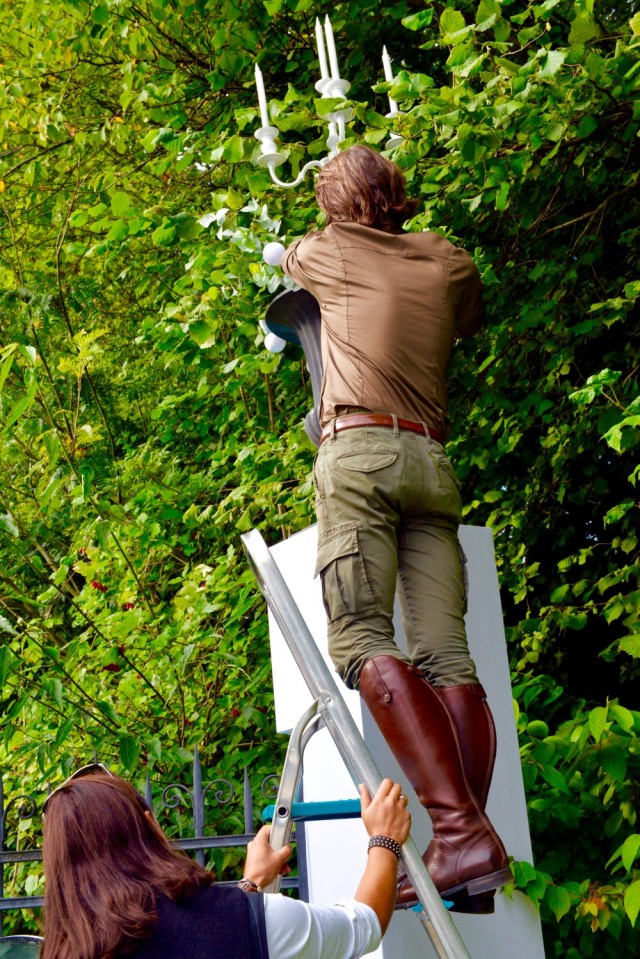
(472, 718)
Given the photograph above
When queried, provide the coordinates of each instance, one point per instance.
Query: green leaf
(108, 710)
(6, 658)
(631, 645)
(502, 196)
(552, 62)
(614, 762)
(64, 730)
(629, 851)
(558, 900)
(100, 15)
(554, 777)
(78, 218)
(6, 366)
(120, 203)
(451, 21)
(524, 872)
(21, 407)
(459, 55)
(583, 29)
(129, 752)
(541, 10)
(622, 715)
(119, 231)
(417, 21)
(598, 722)
(201, 332)
(634, 23)
(628, 426)
(594, 64)
(632, 901)
(487, 13)
(165, 235)
(56, 691)
(234, 149)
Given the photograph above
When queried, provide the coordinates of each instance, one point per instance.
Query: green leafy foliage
(143, 426)
(582, 773)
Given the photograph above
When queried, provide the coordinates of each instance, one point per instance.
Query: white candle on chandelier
(388, 75)
(262, 98)
(322, 55)
(331, 48)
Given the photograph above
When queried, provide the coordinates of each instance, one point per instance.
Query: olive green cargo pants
(388, 509)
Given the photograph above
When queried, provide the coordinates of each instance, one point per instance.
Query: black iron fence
(192, 800)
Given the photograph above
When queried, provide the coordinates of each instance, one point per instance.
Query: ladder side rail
(345, 733)
(314, 671)
(282, 822)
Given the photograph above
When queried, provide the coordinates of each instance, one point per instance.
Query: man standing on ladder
(389, 507)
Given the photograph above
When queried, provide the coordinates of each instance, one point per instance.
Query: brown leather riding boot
(465, 856)
(467, 705)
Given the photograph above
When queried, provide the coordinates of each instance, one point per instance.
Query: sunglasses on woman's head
(78, 774)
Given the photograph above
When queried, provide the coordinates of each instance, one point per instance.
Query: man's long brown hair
(361, 186)
(105, 863)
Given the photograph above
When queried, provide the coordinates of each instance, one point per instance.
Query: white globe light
(274, 343)
(272, 253)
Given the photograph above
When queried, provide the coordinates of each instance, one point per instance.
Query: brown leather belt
(353, 420)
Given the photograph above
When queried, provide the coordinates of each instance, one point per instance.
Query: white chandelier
(331, 86)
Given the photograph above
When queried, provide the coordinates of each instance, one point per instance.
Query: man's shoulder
(422, 243)
(431, 241)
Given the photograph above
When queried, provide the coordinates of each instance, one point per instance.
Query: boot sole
(470, 896)
(475, 887)
(482, 905)
(464, 905)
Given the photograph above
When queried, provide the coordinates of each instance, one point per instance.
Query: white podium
(336, 851)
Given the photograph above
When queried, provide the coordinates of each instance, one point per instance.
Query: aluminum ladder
(329, 708)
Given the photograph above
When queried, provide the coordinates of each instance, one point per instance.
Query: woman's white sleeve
(301, 930)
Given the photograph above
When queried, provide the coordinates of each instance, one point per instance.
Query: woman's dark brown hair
(106, 860)
(361, 186)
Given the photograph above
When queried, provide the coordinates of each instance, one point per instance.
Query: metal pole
(198, 803)
(247, 802)
(345, 733)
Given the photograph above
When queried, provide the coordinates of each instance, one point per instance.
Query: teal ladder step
(316, 811)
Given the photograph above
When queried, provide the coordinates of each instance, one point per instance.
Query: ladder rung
(316, 811)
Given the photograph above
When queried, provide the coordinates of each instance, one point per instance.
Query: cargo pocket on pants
(345, 587)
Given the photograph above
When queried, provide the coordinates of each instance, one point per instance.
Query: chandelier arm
(301, 175)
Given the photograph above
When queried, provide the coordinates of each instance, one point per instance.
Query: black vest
(218, 922)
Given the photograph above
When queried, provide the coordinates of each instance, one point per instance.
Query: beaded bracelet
(386, 843)
(249, 885)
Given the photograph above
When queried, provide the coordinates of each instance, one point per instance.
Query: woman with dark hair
(115, 887)
(388, 503)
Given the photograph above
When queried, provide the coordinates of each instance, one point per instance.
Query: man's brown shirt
(391, 307)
